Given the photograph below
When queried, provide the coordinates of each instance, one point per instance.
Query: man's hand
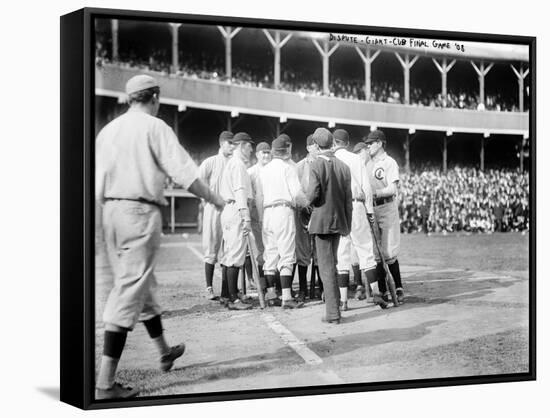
(370, 218)
(247, 226)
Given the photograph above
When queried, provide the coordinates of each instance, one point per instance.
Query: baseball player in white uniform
(263, 157)
(211, 171)
(360, 237)
(134, 155)
(383, 174)
(279, 193)
(236, 190)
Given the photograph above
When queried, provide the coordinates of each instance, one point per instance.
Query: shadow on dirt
(201, 373)
(344, 344)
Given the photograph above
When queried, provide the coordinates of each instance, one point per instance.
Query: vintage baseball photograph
(287, 208)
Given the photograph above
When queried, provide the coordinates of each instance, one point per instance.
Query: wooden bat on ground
(390, 283)
(255, 271)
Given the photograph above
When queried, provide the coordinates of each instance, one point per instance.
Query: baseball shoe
(167, 360)
(344, 306)
(386, 296)
(210, 293)
(273, 302)
(360, 293)
(117, 391)
(301, 297)
(223, 300)
(271, 295)
(335, 321)
(237, 305)
(400, 295)
(379, 300)
(245, 298)
(292, 304)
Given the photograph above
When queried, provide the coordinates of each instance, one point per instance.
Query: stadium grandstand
(457, 119)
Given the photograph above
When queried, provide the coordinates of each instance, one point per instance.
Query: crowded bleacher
(210, 67)
(464, 200)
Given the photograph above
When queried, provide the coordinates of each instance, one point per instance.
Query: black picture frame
(77, 208)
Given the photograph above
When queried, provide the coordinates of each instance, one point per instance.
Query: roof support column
(277, 44)
(406, 63)
(482, 151)
(368, 59)
(521, 74)
(114, 39)
(228, 34)
(481, 73)
(325, 55)
(444, 68)
(175, 57)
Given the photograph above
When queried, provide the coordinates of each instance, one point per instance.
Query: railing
(221, 96)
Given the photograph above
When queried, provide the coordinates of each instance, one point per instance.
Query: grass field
(465, 314)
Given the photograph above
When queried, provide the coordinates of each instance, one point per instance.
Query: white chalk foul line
(291, 340)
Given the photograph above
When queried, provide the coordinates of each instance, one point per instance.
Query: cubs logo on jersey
(379, 173)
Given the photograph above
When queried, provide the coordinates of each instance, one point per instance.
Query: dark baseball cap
(286, 137)
(226, 136)
(281, 143)
(341, 135)
(263, 146)
(242, 137)
(376, 135)
(322, 137)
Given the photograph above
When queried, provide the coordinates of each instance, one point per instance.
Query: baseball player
(236, 190)
(134, 154)
(279, 193)
(360, 236)
(384, 178)
(304, 241)
(211, 171)
(263, 157)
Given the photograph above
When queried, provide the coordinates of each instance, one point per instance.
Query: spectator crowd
(210, 67)
(464, 200)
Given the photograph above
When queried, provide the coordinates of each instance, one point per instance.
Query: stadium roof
(428, 46)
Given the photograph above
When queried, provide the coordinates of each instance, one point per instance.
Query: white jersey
(360, 186)
(382, 171)
(134, 155)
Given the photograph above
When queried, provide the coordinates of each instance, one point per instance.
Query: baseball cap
(286, 137)
(226, 136)
(263, 146)
(280, 143)
(242, 137)
(359, 146)
(309, 140)
(341, 135)
(322, 137)
(139, 83)
(376, 135)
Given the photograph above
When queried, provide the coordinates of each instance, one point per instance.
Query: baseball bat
(255, 271)
(390, 282)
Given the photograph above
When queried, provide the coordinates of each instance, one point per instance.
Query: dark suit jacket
(329, 193)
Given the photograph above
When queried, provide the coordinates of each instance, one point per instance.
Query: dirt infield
(465, 314)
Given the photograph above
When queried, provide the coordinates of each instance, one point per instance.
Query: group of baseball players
(267, 208)
(321, 212)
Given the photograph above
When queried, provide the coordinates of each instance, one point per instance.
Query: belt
(358, 200)
(140, 200)
(278, 204)
(381, 200)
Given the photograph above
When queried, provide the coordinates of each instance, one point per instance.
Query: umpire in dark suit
(329, 192)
